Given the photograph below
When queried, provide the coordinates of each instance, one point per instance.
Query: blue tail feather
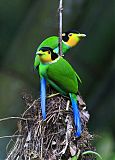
(76, 115)
(43, 97)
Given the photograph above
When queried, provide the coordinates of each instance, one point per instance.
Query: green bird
(63, 80)
(69, 39)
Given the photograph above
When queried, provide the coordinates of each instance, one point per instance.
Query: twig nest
(52, 139)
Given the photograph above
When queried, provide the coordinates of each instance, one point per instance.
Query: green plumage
(60, 75)
(51, 42)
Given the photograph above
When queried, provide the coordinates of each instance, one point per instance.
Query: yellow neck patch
(73, 40)
(45, 57)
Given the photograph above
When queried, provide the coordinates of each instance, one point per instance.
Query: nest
(52, 139)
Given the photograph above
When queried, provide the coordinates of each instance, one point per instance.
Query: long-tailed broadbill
(63, 80)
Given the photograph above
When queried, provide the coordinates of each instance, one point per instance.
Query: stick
(60, 27)
(14, 136)
(8, 118)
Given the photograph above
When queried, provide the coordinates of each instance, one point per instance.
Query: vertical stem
(60, 27)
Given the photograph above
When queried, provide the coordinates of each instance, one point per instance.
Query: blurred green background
(24, 24)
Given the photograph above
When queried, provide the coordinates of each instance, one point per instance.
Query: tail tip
(78, 133)
(44, 117)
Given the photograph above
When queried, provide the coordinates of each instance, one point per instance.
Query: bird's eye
(70, 34)
(48, 52)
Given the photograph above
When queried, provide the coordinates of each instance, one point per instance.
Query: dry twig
(54, 138)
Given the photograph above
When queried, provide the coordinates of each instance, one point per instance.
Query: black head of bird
(46, 54)
(72, 37)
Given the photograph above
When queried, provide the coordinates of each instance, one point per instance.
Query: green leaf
(74, 158)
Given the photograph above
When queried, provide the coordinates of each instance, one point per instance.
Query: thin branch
(29, 108)
(67, 106)
(52, 95)
(11, 140)
(49, 144)
(8, 118)
(60, 9)
(78, 153)
(14, 136)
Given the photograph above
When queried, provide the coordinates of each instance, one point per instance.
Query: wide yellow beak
(81, 35)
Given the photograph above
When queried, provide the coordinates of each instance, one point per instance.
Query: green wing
(36, 61)
(51, 42)
(62, 74)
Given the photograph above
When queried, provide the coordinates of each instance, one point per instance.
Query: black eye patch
(65, 38)
(48, 52)
(54, 56)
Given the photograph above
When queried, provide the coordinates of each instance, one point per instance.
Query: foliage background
(24, 24)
